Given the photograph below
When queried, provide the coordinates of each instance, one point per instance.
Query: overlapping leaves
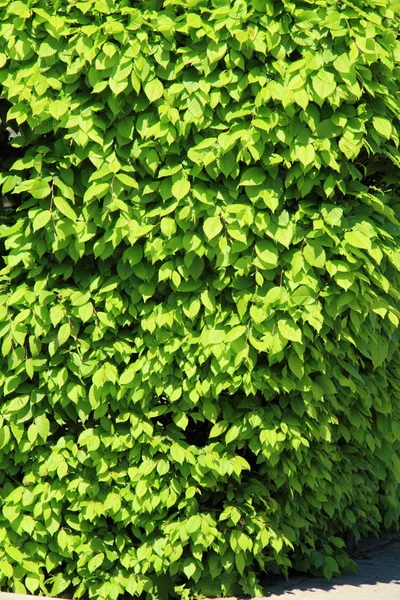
(199, 300)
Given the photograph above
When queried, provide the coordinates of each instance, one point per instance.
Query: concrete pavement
(378, 578)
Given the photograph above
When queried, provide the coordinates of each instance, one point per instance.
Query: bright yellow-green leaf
(314, 254)
(154, 89)
(253, 176)
(65, 208)
(290, 330)
(383, 126)
(324, 83)
(212, 227)
(41, 219)
(181, 188)
(63, 333)
(357, 239)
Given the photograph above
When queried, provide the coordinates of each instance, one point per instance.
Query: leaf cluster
(199, 292)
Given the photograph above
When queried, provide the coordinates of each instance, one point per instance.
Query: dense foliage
(199, 304)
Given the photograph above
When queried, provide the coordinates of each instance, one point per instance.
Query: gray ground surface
(377, 579)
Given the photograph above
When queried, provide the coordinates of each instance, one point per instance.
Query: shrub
(199, 309)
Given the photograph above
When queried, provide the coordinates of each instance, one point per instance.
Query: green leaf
(396, 466)
(189, 567)
(86, 312)
(302, 296)
(357, 239)
(332, 214)
(154, 89)
(212, 227)
(210, 337)
(181, 420)
(240, 563)
(133, 255)
(63, 206)
(253, 176)
(383, 126)
(4, 436)
(6, 569)
(296, 365)
(284, 235)
(235, 333)
(267, 254)
(301, 98)
(306, 154)
(96, 191)
(128, 375)
(177, 453)
(127, 180)
(41, 219)
(168, 226)
(63, 333)
(181, 188)
(20, 9)
(95, 562)
(57, 313)
(141, 488)
(324, 84)
(60, 584)
(314, 254)
(15, 554)
(117, 87)
(43, 426)
(58, 108)
(289, 330)
(193, 524)
(271, 199)
(232, 434)
(32, 582)
(240, 541)
(379, 351)
(194, 107)
(344, 280)
(332, 564)
(342, 63)
(32, 433)
(39, 189)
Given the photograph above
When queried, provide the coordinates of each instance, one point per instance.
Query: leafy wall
(199, 305)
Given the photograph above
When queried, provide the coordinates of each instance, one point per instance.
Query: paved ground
(377, 579)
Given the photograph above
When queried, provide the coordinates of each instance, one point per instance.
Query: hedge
(200, 292)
